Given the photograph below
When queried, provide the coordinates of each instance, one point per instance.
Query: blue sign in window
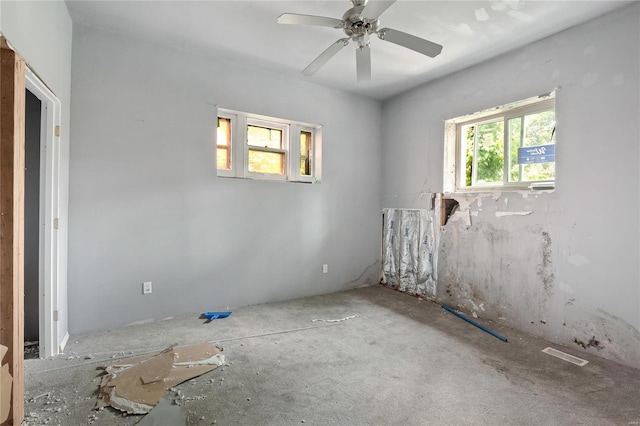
(537, 154)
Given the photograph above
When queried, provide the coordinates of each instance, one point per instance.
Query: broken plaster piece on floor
(131, 407)
(138, 384)
(217, 359)
(335, 320)
(165, 414)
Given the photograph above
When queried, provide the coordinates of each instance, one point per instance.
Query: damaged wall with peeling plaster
(560, 264)
(146, 204)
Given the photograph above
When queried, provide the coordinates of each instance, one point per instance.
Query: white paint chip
(482, 15)
(498, 6)
(462, 29)
(502, 214)
(520, 16)
(566, 357)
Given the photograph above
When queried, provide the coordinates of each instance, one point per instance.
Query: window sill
(267, 179)
(519, 190)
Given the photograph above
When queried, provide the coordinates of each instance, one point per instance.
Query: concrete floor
(400, 361)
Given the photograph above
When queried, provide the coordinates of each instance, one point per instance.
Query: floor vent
(559, 354)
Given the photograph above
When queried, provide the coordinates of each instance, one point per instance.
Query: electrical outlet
(325, 268)
(147, 287)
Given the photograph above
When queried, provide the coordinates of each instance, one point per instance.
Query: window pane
(305, 153)
(515, 142)
(490, 152)
(266, 162)
(223, 158)
(264, 137)
(224, 143)
(539, 130)
(468, 136)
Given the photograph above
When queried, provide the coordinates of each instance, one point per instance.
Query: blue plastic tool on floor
(470, 321)
(215, 315)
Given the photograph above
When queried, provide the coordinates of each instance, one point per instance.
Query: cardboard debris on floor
(136, 385)
(5, 391)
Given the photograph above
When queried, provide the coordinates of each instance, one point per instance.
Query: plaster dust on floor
(391, 359)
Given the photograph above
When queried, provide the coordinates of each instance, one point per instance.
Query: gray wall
(32, 218)
(145, 203)
(567, 271)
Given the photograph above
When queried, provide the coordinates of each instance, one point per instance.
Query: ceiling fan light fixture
(358, 23)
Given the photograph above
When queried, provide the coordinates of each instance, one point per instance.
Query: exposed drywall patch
(487, 269)
(545, 271)
(461, 216)
(449, 207)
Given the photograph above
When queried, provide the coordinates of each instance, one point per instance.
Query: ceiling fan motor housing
(356, 26)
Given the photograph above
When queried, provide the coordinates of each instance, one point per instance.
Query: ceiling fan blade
(363, 63)
(375, 8)
(325, 56)
(409, 41)
(321, 21)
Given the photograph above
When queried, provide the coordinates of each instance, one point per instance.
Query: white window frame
(284, 128)
(455, 164)
(234, 163)
(290, 147)
(296, 130)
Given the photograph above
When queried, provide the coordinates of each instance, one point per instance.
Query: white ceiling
(248, 32)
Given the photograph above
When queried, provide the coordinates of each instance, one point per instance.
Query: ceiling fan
(359, 23)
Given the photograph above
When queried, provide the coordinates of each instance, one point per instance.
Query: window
(224, 143)
(512, 146)
(258, 147)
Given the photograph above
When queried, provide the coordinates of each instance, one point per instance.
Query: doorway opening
(32, 220)
(42, 286)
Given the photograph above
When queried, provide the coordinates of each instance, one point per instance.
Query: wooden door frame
(12, 153)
